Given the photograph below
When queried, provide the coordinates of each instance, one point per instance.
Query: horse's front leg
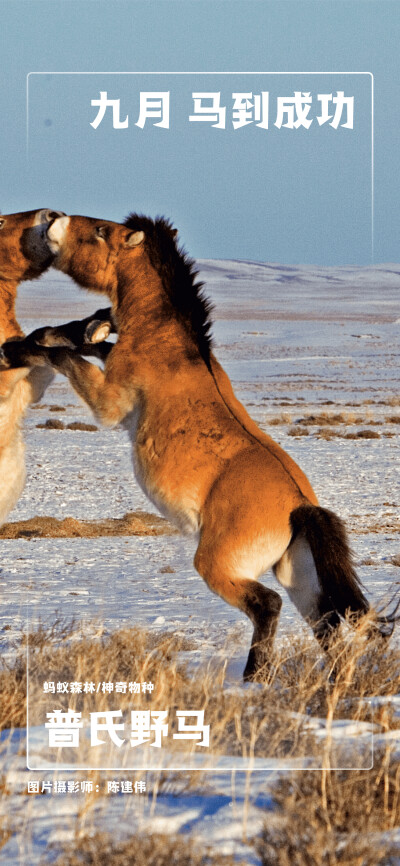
(37, 382)
(77, 334)
(107, 395)
(31, 351)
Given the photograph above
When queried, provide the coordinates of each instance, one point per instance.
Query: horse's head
(94, 252)
(24, 253)
(138, 265)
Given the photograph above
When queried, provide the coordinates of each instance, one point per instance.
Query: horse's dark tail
(341, 588)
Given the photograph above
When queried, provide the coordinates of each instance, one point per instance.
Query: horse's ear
(134, 239)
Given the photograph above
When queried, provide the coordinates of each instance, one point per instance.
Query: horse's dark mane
(178, 276)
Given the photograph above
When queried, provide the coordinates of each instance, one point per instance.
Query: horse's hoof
(97, 332)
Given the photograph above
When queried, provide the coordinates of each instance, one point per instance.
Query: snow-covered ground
(295, 341)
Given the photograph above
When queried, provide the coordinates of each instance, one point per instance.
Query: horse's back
(278, 454)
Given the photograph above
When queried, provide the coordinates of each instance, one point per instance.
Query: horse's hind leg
(262, 605)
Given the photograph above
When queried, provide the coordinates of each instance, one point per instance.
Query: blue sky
(277, 194)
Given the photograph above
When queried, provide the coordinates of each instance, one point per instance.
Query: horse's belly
(181, 507)
(176, 498)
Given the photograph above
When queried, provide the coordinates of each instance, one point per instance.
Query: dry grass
(132, 523)
(128, 654)
(317, 815)
(5, 834)
(363, 434)
(51, 424)
(285, 418)
(334, 819)
(324, 433)
(331, 418)
(388, 523)
(142, 850)
(393, 400)
(56, 424)
(329, 424)
(267, 720)
(298, 431)
(82, 425)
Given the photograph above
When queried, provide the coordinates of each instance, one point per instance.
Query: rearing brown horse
(196, 452)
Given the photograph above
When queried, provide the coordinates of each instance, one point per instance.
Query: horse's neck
(9, 326)
(148, 327)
